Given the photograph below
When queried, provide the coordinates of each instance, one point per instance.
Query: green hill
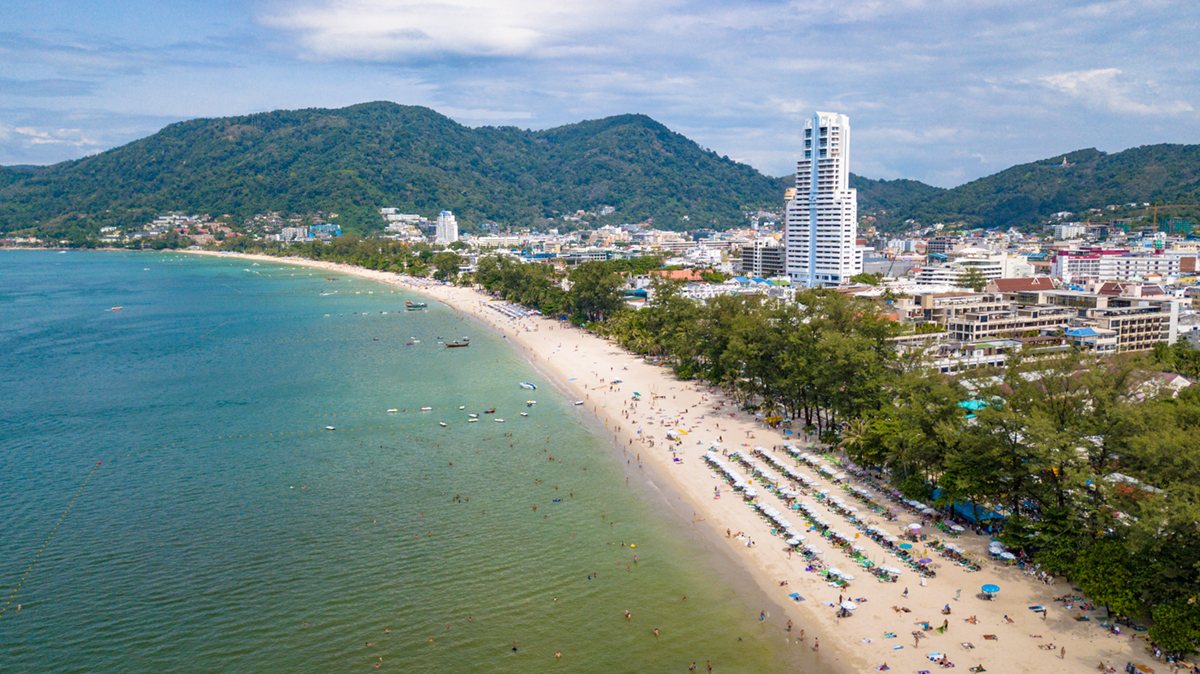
(1024, 195)
(354, 160)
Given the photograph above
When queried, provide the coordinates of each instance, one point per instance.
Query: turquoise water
(212, 525)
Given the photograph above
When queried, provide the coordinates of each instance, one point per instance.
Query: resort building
(447, 228)
(763, 258)
(822, 218)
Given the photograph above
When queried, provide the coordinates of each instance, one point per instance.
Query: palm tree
(853, 437)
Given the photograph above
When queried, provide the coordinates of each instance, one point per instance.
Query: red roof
(679, 274)
(1012, 285)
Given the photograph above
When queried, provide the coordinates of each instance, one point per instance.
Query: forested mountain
(354, 160)
(1025, 194)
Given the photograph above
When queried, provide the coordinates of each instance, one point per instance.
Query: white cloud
(1106, 89)
(387, 29)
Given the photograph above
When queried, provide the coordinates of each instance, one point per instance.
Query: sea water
(174, 502)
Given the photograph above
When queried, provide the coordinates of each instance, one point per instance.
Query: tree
(972, 278)
(595, 291)
(446, 265)
(867, 278)
(1102, 572)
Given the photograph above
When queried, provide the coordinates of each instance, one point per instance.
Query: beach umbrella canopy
(858, 548)
(793, 541)
(913, 527)
(849, 605)
(1007, 555)
(924, 560)
(905, 546)
(991, 589)
(893, 539)
(955, 527)
(846, 576)
(893, 570)
(835, 571)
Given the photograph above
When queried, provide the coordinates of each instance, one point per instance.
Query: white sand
(584, 364)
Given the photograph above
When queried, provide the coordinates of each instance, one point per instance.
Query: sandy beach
(1005, 635)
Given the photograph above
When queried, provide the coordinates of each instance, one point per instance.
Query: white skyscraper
(822, 218)
(447, 228)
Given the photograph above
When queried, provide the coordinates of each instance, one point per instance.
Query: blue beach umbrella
(991, 589)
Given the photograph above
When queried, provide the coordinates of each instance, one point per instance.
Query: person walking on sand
(1062, 655)
(816, 643)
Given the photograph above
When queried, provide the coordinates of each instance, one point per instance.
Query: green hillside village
(1019, 351)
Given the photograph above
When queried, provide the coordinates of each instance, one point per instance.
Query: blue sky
(940, 91)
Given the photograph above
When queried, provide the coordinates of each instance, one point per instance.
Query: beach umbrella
(924, 560)
(858, 548)
(788, 432)
(893, 570)
(953, 547)
(905, 546)
(957, 528)
(793, 541)
(846, 576)
(849, 605)
(834, 571)
(1007, 555)
(913, 527)
(991, 589)
(893, 539)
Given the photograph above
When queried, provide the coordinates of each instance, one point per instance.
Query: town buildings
(447, 229)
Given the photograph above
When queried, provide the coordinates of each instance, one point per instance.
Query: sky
(942, 91)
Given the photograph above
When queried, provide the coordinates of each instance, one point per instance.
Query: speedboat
(472, 420)
(393, 410)
(442, 424)
(498, 420)
(524, 414)
(462, 407)
(490, 410)
(530, 403)
(578, 402)
(330, 428)
(531, 387)
(426, 409)
(473, 415)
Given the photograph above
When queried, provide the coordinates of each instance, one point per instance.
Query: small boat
(456, 345)
(414, 306)
(472, 420)
(442, 424)
(498, 420)
(474, 416)
(530, 403)
(330, 428)
(490, 410)
(531, 387)
(426, 409)
(116, 308)
(462, 407)
(524, 414)
(578, 402)
(392, 410)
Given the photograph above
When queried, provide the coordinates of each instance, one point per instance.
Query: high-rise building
(822, 219)
(447, 228)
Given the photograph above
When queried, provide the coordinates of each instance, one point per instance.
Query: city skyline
(941, 92)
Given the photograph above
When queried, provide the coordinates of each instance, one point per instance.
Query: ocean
(174, 502)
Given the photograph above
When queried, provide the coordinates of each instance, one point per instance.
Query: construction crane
(1157, 206)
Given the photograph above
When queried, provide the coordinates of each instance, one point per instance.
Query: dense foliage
(1026, 194)
(354, 160)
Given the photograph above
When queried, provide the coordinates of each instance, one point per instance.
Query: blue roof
(759, 280)
(741, 279)
(1082, 332)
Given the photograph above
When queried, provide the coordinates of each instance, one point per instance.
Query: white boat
(442, 424)
(578, 402)
(498, 420)
(462, 407)
(530, 403)
(473, 415)
(393, 410)
(524, 414)
(330, 428)
(472, 420)
(426, 409)
(531, 387)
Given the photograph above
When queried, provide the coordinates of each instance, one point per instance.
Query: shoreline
(857, 642)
